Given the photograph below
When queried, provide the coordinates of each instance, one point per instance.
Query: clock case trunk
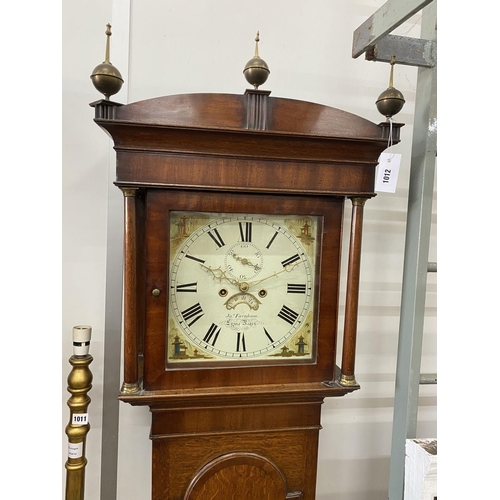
(237, 153)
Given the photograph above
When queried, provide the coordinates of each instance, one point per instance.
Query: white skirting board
(421, 469)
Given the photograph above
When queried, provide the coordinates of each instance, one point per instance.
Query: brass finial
(256, 70)
(257, 40)
(391, 101)
(105, 77)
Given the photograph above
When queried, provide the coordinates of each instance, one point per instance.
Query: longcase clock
(234, 206)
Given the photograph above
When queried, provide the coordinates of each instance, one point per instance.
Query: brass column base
(134, 388)
(348, 380)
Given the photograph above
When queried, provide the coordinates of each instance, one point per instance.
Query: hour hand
(220, 275)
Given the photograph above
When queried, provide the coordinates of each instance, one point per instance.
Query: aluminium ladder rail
(373, 38)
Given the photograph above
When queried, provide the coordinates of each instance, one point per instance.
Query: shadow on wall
(344, 476)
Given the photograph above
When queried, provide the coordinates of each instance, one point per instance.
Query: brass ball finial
(256, 70)
(391, 101)
(105, 77)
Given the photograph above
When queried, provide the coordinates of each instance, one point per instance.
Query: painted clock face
(242, 288)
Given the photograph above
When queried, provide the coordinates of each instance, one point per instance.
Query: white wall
(180, 46)
(85, 162)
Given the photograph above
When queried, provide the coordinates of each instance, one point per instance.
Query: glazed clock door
(238, 283)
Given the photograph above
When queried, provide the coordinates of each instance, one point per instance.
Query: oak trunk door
(239, 476)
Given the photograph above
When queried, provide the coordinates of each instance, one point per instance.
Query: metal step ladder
(373, 39)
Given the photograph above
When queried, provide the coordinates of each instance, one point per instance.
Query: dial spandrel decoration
(242, 288)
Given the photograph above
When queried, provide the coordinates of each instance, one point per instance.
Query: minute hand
(288, 268)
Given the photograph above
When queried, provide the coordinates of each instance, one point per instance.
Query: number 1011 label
(387, 172)
(80, 419)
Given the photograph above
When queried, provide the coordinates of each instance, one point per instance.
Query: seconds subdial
(243, 261)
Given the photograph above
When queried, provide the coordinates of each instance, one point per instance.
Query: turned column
(347, 377)
(131, 383)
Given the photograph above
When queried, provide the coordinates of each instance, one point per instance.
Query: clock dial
(242, 288)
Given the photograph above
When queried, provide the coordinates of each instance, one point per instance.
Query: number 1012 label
(387, 172)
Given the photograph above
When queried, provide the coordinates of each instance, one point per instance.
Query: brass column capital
(128, 191)
(358, 202)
